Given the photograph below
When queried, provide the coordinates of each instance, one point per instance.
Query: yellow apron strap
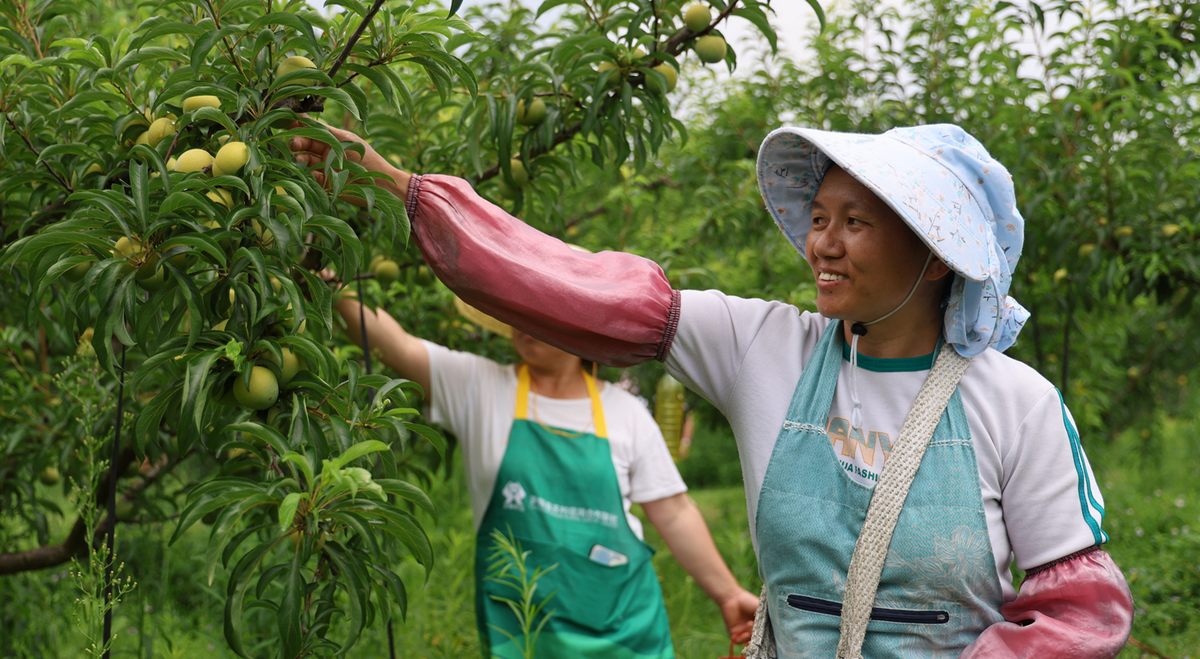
(522, 408)
(522, 411)
(597, 408)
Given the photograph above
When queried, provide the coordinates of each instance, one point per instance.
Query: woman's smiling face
(864, 258)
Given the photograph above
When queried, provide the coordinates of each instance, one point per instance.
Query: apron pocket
(580, 592)
(905, 616)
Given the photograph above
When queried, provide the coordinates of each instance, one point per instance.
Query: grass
(1152, 502)
(1151, 493)
(441, 622)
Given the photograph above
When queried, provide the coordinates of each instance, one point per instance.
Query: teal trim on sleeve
(896, 365)
(1086, 500)
(1073, 433)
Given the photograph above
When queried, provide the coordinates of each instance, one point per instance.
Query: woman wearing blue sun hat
(897, 464)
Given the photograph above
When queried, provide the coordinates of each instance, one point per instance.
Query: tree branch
(375, 62)
(362, 25)
(561, 137)
(76, 543)
(673, 45)
(38, 154)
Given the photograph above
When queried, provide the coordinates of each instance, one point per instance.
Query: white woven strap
(762, 640)
(866, 564)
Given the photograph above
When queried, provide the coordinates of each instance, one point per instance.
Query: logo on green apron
(514, 496)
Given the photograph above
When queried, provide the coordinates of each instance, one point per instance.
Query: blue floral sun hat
(943, 183)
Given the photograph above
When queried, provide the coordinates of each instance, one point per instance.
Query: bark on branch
(76, 543)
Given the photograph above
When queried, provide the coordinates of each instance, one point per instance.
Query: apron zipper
(815, 605)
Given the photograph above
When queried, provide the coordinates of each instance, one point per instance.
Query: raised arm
(402, 352)
(610, 307)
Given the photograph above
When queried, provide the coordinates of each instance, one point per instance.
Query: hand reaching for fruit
(310, 152)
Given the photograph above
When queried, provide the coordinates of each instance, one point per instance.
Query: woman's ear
(937, 270)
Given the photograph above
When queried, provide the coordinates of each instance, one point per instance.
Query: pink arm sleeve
(1078, 606)
(610, 307)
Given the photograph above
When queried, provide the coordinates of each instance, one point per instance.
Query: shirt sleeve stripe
(1073, 433)
(1086, 500)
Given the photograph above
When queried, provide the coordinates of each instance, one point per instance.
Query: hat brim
(932, 201)
(481, 319)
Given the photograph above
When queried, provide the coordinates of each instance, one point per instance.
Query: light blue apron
(939, 588)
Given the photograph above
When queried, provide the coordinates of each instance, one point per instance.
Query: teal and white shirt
(1040, 497)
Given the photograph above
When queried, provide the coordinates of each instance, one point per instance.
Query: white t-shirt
(475, 398)
(1039, 495)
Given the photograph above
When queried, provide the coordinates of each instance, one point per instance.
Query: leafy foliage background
(1090, 105)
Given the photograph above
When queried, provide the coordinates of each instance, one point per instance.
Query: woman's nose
(827, 242)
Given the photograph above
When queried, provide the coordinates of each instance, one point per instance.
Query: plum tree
(194, 283)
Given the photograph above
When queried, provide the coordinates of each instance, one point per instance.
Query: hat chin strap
(859, 328)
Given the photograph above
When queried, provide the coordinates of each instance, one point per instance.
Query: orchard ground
(1151, 498)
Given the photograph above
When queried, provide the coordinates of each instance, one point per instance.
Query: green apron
(556, 495)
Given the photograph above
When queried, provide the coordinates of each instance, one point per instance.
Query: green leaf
(289, 616)
(14, 60)
(195, 391)
(137, 57)
(205, 44)
(271, 436)
(286, 19)
(287, 510)
(57, 151)
(158, 26)
(140, 194)
(434, 437)
(406, 491)
(358, 589)
(357, 451)
(404, 527)
(758, 18)
(150, 418)
(215, 115)
(303, 464)
(332, 93)
(184, 200)
(551, 4)
(236, 592)
(395, 585)
(816, 7)
(212, 495)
